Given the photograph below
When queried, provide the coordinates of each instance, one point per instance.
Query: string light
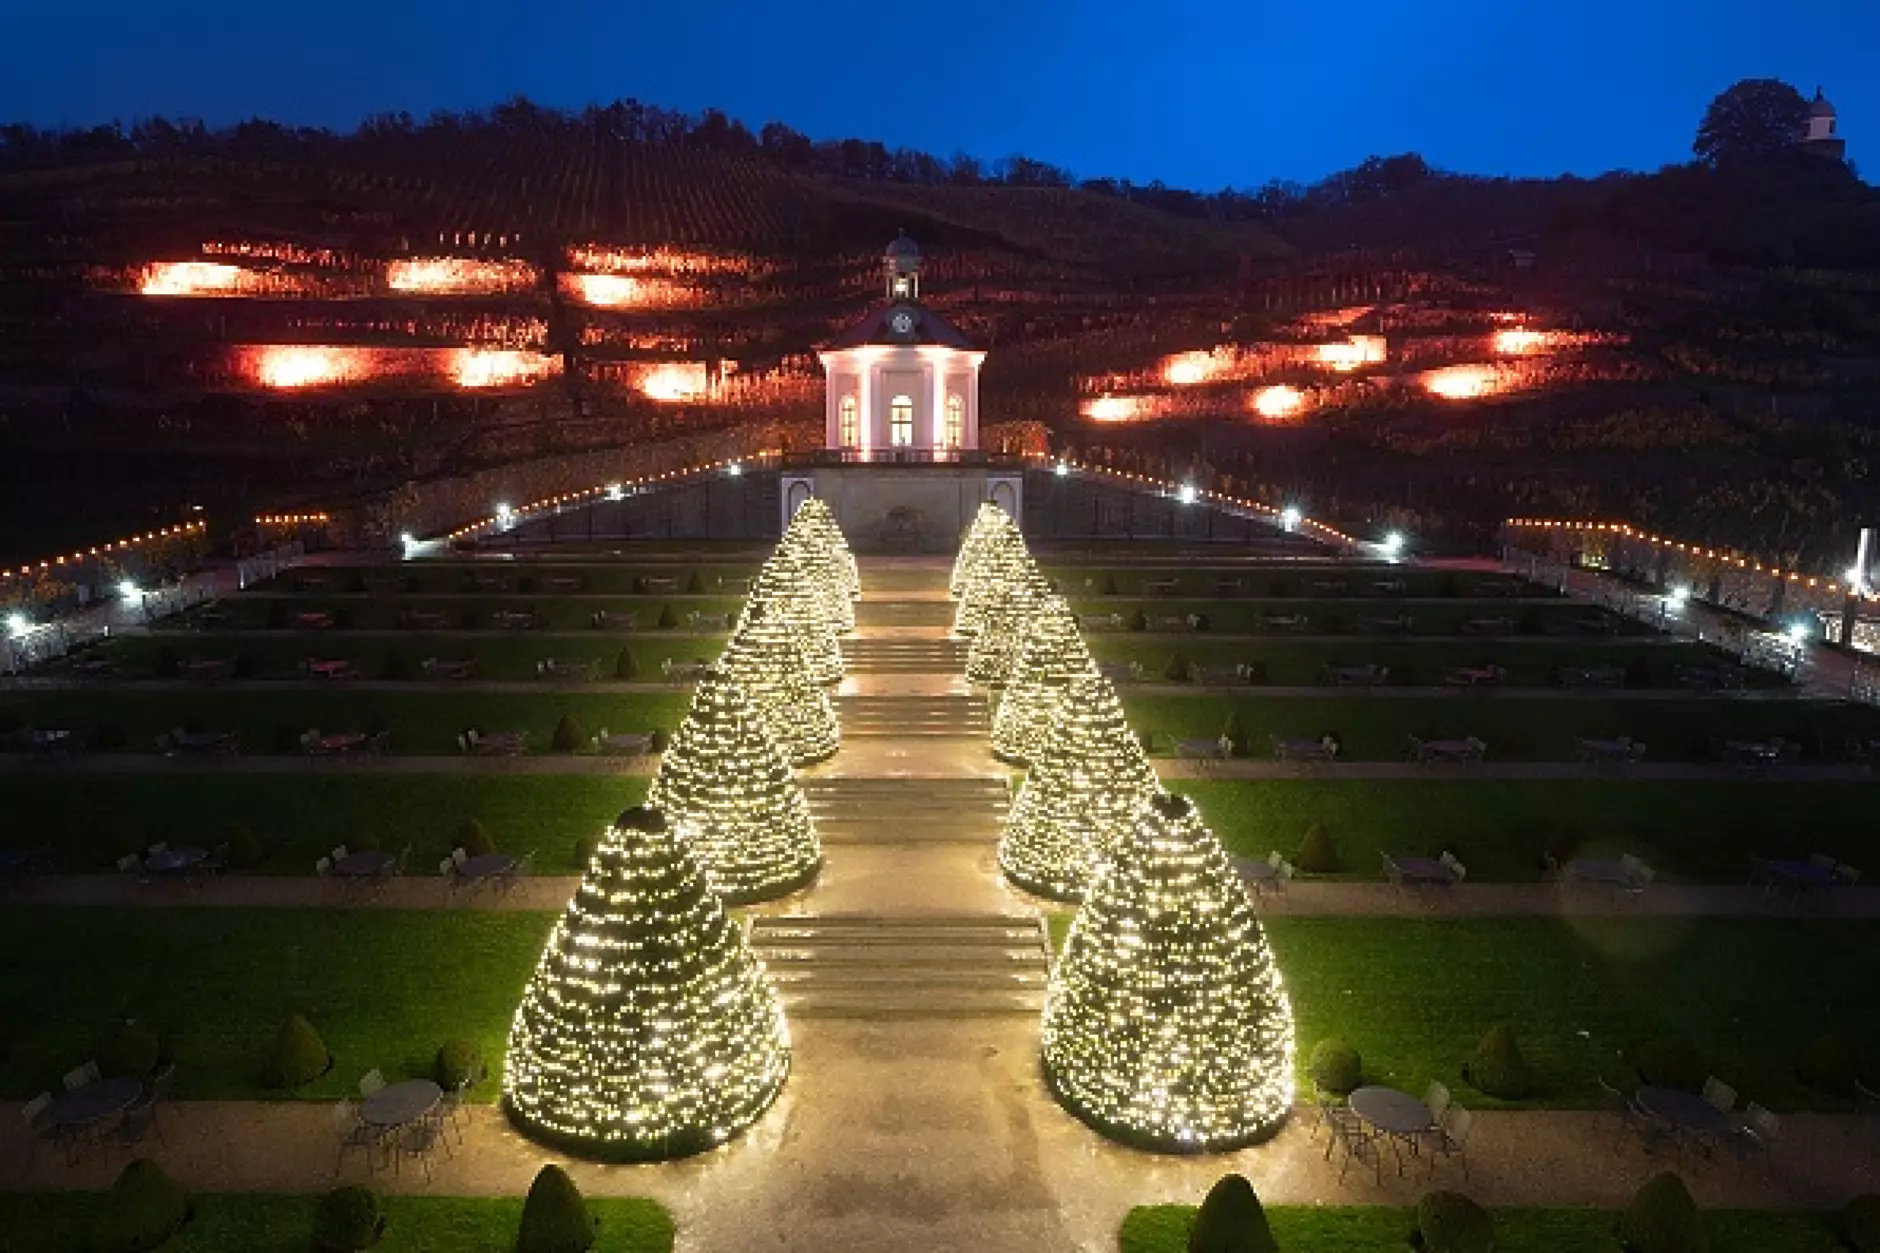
(798, 584)
(1166, 1022)
(1052, 655)
(972, 545)
(1080, 796)
(1000, 563)
(995, 649)
(765, 659)
(724, 783)
(292, 519)
(648, 1029)
(820, 526)
(120, 545)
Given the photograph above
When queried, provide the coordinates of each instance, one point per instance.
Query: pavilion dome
(1820, 106)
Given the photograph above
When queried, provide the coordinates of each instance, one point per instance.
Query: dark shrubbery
(1449, 1222)
(108, 737)
(660, 739)
(128, 1049)
(667, 619)
(1109, 585)
(396, 666)
(1669, 1063)
(245, 850)
(1179, 669)
(568, 736)
(584, 850)
(1235, 733)
(1498, 1069)
(300, 1056)
(1662, 1218)
(1638, 673)
(1230, 1220)
(626, 666)
(1201, 622)
(277, 614)
(1257, 674)
(1318, 852)
(1529, 622)
(554, 1219)
(525, 586)
(458, 1061)
(244, 667)
(168, 664)
(1860, 1224)
(474, 838)
(1831, 1065)
(1139, 621)
(348, 1219)
(695, 584)
(143, 1210)
(1335, 1066)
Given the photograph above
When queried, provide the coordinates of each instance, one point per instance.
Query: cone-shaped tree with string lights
(814, 514)
(1080, 797)
(765, 660)
(1166, 1022)
(972, 545)
(817, 544)
(648, 1030)
(1004, 563)
(1052, 655)
(995, 649)
(726, 786)
(801, 592)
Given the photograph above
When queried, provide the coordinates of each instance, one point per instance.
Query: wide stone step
(868, 966)
(913, 715)
(890, 1004)
(949, 931)
(879, 960)
(890, 613)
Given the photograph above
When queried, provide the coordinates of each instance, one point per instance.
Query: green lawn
(272, 722)
(1696, 832)
(1300, 663)
(279, 655)
(91, 821)
(1414, 995)
(1344, 617)
(523, 577)
(1362, 1229)
(383, 610)
(1515, 729)
(248, 1222)
(1197, 577)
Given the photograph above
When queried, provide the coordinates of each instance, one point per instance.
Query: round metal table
(397, 1104)
(171, 860)
(95, 1102)
(1389, 1110)
(486, 866)
(1686, 1111)
(363, 865)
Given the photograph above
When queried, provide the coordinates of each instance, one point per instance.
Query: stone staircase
(907, 811)
(913, 716)
(870, 966)
(905, 613)
(906, 654)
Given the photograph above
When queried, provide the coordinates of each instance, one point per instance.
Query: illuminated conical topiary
(765, 660)
(801, 592)
(648, 1029)
(814, 515)
(1166, 1022)
(1081, 794)
(818, 546)
(725, 784)
(1004, 563)
(996, 647)
(1053, 653)
(972, 545)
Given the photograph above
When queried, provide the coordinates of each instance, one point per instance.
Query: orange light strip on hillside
(129, 542)
(292, 519)
(1690, 550)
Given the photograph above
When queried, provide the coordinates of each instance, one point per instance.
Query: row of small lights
(1695, 550)
(292, 519)
(507, 515)
(129, 542)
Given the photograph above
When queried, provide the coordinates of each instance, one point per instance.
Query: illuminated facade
(903, 380)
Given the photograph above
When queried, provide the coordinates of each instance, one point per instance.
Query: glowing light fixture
(1062, 469)
(1186, 493)
(1290, 517)
(1278, 401)
(1797, 632)
(17, 625)
(129, 590)
(734, 469)
(616, 492)
(1392, 544)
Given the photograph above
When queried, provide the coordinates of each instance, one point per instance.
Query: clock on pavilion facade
(903, 380)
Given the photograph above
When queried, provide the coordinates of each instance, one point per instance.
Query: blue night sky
(1196, 94)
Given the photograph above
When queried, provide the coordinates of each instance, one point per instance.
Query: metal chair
(80, 1076)
(1436, 1096)
(419, 1140)
(33, 1113)
(352, 1133)
(371, 1082)
(1359, 1144)
(139, 1119)
(1757, 1135)
(1450, 1138)
(1719, 1095)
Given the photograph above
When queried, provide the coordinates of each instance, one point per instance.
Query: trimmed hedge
(245, 850)
(1318, 852)
(1449, 1222)
(569, 735)
(348, 1219)
(458, 1061)
(300, 1056)
(1230, 1220)
(128, 1049)
(474, 838)
(1860, 1224)
(1662, 1218)
(555, 1218)
(143, 1209)
(1669, 1063)
(627, 666)
(1831, 1064)
(1497, 1069)
(1336, 1066)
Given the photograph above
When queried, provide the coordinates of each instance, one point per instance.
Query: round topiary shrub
(143, 1209)
(1179, 669)
(1860, 1224)
(1318, 852)
(554, 1219)
(1831, 1065)
(584, 850)
(1230, 1220)
(300, 1056)
(658, 739)
(348, 1219)
(1336, 1067)
(1449, 1222)
(363, 842)
(128, 1049)
(695, 584)
(244, 848)
(1139, 621)
(1662, 1218)
(474, 838)
(1669, 1063)
(459, 1061)
(568, 736)
(1235, 733)
(627, 666)
(1497, 1069)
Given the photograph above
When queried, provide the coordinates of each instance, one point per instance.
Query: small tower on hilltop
(900, 265)
(1819, 137)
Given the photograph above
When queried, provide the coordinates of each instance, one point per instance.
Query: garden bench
(1446, 752)
(327, 668)
(493, 743)
(1331, 587)
(1100, 621)
(1398, 625)
(739, 585)
(1488, 626)
(1280, 622)
(1230, 587)
(1389, 587)
(604, 621)
(313, 621)
(1591, 676)
(1474, 676)
(623, 745)
(661, 584)
(438, 668)
(1219, 676)
(489, 583)
(1172, 622)
(514, 619)
(1120, 671)
(1369, 675)
(699, 621)
(556, 668)
(566, 583)
(1204, 751)
(1615, 752)
(1305, 751)
(422, 619)
(682, 671)
(1161, 587)
(208, 670)
(1710, 678)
